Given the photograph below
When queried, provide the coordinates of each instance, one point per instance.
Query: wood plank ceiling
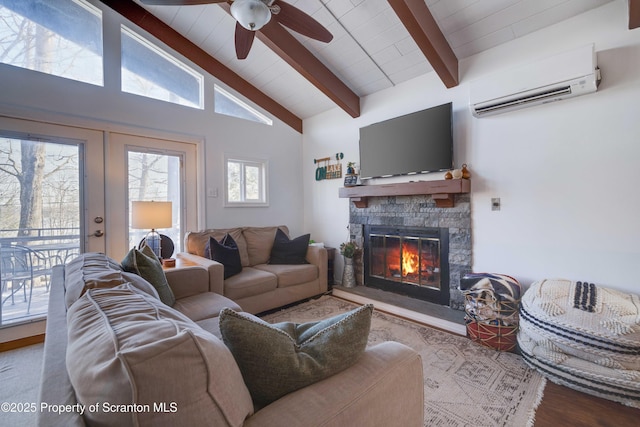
(377, 44)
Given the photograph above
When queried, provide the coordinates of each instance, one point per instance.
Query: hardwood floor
(562, 406)
(22, 342)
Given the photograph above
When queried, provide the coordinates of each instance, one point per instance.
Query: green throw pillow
(280, 358)
(146, 264)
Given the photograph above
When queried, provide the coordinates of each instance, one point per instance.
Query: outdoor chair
(19, 267)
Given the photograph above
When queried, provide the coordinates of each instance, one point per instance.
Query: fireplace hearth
(408, 261)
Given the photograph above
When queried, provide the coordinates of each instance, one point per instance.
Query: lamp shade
(251, 14)
(151, 215)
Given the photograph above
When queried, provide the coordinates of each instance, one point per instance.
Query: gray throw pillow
(280, 358)
(289, 251)
(226, 252)
(146, 264)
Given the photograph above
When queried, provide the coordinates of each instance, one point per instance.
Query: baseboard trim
(22, 342)
(445, 325)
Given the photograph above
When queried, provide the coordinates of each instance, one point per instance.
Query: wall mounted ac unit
(552, 79)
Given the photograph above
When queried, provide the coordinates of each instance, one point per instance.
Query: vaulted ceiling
(376, 44)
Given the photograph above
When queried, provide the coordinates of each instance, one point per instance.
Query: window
(245, 182)
(62, 38)
(229, 105)
(149, 71)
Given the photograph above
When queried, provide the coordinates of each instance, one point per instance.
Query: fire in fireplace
(408, 261)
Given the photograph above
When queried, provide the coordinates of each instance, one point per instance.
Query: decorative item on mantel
(465, 172)
(351, 178)
(462, 173)
(348, 251)
(351, 168)
(329, 170)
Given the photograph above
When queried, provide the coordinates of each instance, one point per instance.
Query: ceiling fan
(252, 15)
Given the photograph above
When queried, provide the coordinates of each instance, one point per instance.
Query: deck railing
(25, 294)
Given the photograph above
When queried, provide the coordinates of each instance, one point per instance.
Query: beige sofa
(260, 286)
(112, 344)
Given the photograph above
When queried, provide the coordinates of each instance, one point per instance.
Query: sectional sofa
(115, 355)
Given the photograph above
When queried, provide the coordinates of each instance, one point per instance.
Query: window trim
(264, 188)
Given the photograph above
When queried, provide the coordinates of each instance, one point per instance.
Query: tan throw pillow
(146, 264)
(280, 358)
(127, 348)
(96, 270)
(259, 243)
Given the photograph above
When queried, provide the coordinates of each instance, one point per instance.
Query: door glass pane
(39, 221)
(155, 177)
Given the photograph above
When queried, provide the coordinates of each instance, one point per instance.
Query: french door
(51, 209)
(66, 190)
(149, 169)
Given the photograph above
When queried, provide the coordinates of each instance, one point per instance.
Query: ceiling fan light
(251, 14)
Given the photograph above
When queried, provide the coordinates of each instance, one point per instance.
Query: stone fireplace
(413, 247)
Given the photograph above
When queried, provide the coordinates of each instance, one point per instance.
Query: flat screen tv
(419, 142)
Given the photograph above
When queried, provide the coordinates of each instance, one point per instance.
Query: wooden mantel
(442, 191)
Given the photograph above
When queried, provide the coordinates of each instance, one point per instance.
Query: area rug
(465, 383)
(20, 384)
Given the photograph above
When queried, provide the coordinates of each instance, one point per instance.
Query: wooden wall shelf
(442, 191)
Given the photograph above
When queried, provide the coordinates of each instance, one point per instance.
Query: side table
(331, 254)
(180, 263)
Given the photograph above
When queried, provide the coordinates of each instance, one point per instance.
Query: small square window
(245, 182)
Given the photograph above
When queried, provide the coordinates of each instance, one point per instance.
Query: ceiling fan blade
(300, 22)
(179, 2)
(244, 40)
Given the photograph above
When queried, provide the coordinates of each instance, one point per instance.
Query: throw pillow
(127, 348)
(146, 264)
(286, 251)
(280, 358)
(226, 253)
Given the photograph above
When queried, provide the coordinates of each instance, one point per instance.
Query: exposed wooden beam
(634, 14)
(278, 39)
(304, 62)
(150, 23)
(417, 19)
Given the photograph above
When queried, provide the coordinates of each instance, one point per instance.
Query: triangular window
(229, 105)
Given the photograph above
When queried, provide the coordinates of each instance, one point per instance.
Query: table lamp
(151, 215)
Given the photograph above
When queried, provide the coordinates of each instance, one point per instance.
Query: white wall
(38, 96)
(566, 172)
